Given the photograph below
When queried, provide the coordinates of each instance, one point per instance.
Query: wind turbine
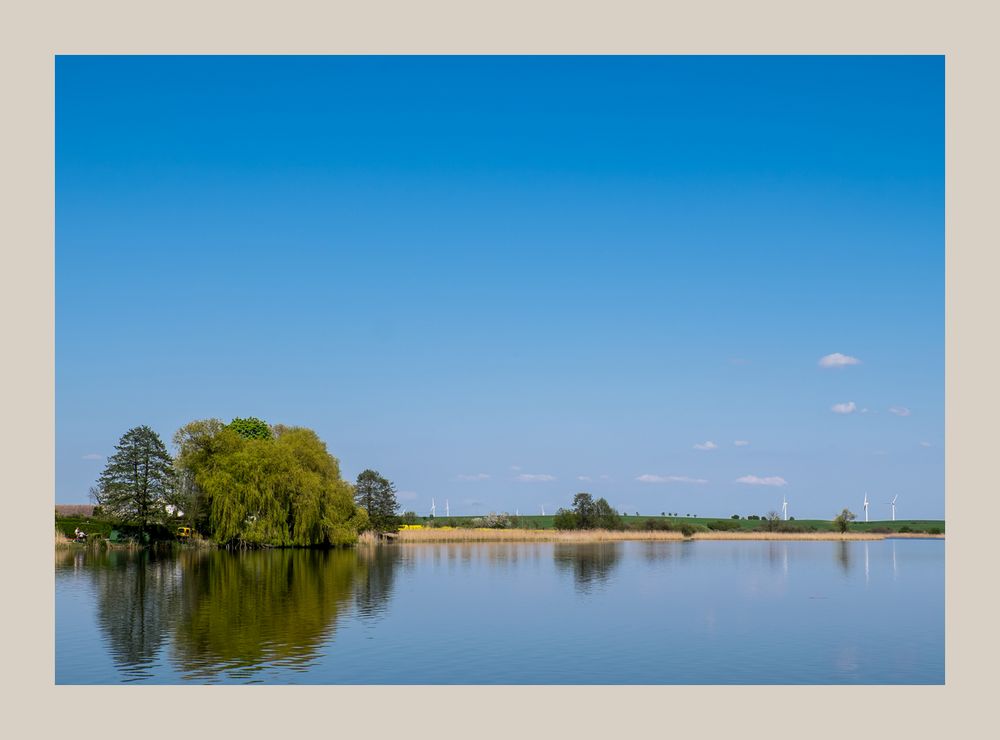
(866, 506)
(893, 505)
(543, 509)
(784, 507)
(447, 511)
(432, 507)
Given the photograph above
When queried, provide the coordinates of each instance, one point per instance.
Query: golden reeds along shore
(413, 536)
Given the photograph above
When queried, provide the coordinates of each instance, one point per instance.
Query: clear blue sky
(500, 281)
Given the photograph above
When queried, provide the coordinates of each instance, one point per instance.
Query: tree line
(243, 484)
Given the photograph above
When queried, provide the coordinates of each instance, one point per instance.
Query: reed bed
(600, 535)
(368, 538)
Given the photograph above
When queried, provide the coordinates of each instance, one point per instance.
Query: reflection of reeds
(600, 535)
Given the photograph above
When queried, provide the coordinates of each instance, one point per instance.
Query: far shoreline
(439, 535)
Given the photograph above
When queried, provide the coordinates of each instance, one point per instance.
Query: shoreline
(597, 535)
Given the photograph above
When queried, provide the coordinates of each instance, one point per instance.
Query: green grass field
(820, 525)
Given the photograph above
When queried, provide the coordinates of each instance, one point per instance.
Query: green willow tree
(377, 496)
(280, 490)
(138, 481)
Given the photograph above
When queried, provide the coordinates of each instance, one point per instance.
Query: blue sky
(503, 280)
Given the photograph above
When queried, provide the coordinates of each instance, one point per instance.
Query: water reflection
(136, 598)
(844, 556)
(242, 611)
(866, 564)
(591, 564)
(376, 577)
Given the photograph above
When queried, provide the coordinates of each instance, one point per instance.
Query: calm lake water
(701, 612)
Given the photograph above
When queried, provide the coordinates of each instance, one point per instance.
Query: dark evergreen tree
(377, 496)
(137, 482)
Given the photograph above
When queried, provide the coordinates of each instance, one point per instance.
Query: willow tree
(281, 490)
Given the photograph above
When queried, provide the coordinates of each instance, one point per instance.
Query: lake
(695, 612)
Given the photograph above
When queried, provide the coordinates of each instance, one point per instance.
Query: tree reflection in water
(376, 576)
(137, 595)
(590, 563)
(844, 556)
(240, 612)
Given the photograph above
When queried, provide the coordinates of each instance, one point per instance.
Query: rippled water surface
(704, 612)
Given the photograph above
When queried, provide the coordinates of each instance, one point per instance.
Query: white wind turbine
(866, 506)
(433, 509)
(784, 507)
(543, 509)
(447, 511)
(893, 505)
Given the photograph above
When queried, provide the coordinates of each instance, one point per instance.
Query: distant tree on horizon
(843, 520)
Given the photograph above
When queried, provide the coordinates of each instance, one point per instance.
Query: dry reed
(600, 535)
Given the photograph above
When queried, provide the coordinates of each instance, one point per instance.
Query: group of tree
(588, 514)
(245, 483)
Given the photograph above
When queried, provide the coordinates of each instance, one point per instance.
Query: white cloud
(584, 477)
(771, 480)
(474, 476)
(838, 360)
(92, 456)
(535, 477)
(899, 410)
(741, 442)
(515, 467)
(650, 478)
(844, 408)
(406, 495)
(710, 445)
(925, 444)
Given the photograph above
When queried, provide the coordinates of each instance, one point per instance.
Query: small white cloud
(535, 477)
(844, 408)
(864, 410)
(650, 478)
(771, 480)
(515, 467)
(584, 477)
(838, 360)
(925, 444)
(474, 476)
(741, 442)
(406, 495)
(710, 445)
(92, 456)
(899, 410)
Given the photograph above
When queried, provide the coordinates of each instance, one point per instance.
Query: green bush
(934, 530)
(721, 525)
(688, 529)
